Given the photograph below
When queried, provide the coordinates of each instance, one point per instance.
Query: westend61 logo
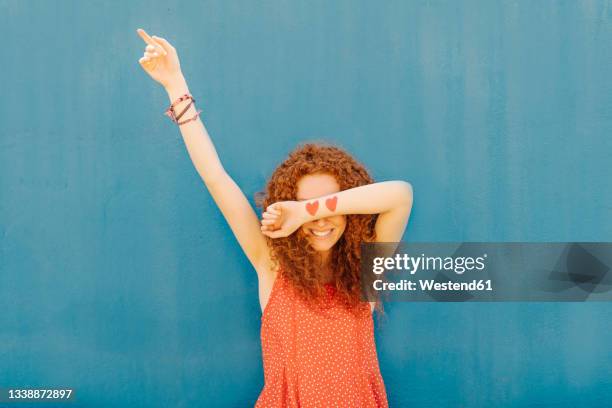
(412, 264)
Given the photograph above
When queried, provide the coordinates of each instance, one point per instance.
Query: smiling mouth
(321, 234)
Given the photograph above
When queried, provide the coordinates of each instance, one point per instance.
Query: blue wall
(120, 278)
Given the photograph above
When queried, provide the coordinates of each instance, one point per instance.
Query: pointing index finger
(143, 34)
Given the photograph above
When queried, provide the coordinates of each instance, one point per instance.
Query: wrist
(304, 216)
(176, 87)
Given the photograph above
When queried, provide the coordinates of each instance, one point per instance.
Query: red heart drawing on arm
(312, 207)
(331, 203)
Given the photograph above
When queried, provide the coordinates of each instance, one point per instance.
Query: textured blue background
(120, 278)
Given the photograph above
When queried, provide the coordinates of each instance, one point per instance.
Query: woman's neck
(325, 265)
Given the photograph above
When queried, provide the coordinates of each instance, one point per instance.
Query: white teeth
(322, 233)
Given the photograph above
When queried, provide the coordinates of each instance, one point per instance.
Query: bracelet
(190, 119)
(170, 111)
(185, 110)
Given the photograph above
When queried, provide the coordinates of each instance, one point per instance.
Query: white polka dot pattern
(318, 356)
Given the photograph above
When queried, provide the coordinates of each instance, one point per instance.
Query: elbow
(406, 194)
(215, 179)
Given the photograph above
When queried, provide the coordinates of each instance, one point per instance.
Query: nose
(321, 222)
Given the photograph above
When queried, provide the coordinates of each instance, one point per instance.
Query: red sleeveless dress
(318, 358)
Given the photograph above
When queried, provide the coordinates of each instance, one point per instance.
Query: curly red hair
(296, 257)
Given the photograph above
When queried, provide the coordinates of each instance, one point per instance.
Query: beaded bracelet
(170, 111)
(184, 110)
(190, 119)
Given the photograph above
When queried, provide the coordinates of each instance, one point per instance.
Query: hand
(282, 219)
(160, 59)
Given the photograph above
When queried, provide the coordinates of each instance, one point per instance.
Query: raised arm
(161, 62)
(392, 200)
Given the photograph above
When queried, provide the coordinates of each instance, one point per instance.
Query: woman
(320, 204)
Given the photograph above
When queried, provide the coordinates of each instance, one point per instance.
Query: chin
(322, 247)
